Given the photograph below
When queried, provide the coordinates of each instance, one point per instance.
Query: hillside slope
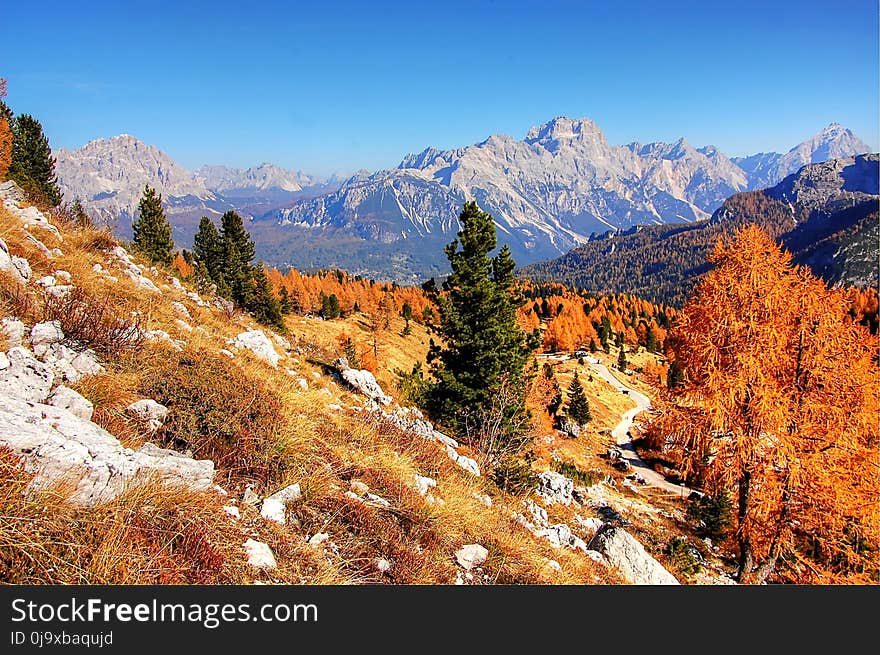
(169, 439)
(825, 215)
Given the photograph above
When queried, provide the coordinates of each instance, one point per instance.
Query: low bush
(587, 478)
(712, 514)
(219, 412)
(94, 322)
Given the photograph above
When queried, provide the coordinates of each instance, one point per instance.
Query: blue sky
(327, 86)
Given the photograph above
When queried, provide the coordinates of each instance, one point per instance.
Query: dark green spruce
(33, 166)
(480, 370)
(152, 231)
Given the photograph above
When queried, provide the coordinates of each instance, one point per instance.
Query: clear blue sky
(327, 85)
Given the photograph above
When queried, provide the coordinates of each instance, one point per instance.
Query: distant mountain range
(108, 176)
(548, 193)
(826, 215)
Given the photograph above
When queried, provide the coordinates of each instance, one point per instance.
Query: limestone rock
(26, 377)
(555, 488)
(67, 398)
(260, 555)
(364, 382)
(471, 555)
(626, 554)
(59, 446)
(148, 411)
(274, 508)
(258, 343)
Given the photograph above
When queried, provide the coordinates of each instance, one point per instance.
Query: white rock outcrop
(73, 402)
(61, 447)
(274, 507)
(148, 411)
(471, 555)
(555, 488)
(26, 377)
(258, 343)
(260, 555)
(17, 267)
(365, 383)
(627, 555)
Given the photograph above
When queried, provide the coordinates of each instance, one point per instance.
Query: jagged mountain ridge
(548, 192)
(826, 215)
(108, 177)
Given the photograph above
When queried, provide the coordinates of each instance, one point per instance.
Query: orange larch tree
(779, 410)
(5, 135)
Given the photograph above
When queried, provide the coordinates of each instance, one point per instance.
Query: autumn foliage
(779, 410)
(5, 136)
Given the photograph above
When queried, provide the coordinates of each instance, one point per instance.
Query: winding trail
(621, 431)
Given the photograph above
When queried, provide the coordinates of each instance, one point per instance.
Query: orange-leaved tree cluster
(5, 134)
(778, 409)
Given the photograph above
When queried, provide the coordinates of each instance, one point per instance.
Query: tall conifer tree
(152, 232)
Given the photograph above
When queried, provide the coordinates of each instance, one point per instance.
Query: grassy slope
(157, 535)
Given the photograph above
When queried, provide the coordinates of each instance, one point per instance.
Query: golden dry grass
(323, 450)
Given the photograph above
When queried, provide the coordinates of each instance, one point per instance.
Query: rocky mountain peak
(563, 128)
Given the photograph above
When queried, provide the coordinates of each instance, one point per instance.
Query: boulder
(4, 361)
(274, 507)
(26, 377)
(471, 555)
(59, 446)
(424, 484)
(555, 488)
(45, 334)
(571, 428)
(364, 382)
(629, 557)
(468, 464)
(67, 398)
(318, 539)
(258, 343)
(148, 411)
(13, 330)
(17, 267)
(260, 555)
(303, 384)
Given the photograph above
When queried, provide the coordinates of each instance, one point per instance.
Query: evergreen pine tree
(407, 313)
(152, 232)
(284, 301)
(621, 358)
(262, 302)
(593, 347)
(481, 367)
(32, 165)
(578, 406)
(651, 341)
(208, 248)
(232, 231)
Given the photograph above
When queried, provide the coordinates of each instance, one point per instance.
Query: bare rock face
(148, 411)
(67, 398)
(26, 378)
(625, 553)
(258, 343)
(61, 447)
(555, 488)
(363, 382)
(17, 267)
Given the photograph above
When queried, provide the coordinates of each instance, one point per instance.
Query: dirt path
(623, 436)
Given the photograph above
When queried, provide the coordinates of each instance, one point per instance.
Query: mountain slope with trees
(826, 214)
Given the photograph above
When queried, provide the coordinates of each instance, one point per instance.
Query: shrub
(219, 412)
(685, 558)
(713, 514)
(587, 478)
(514, 475)
(94, 322)
(412, 385)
